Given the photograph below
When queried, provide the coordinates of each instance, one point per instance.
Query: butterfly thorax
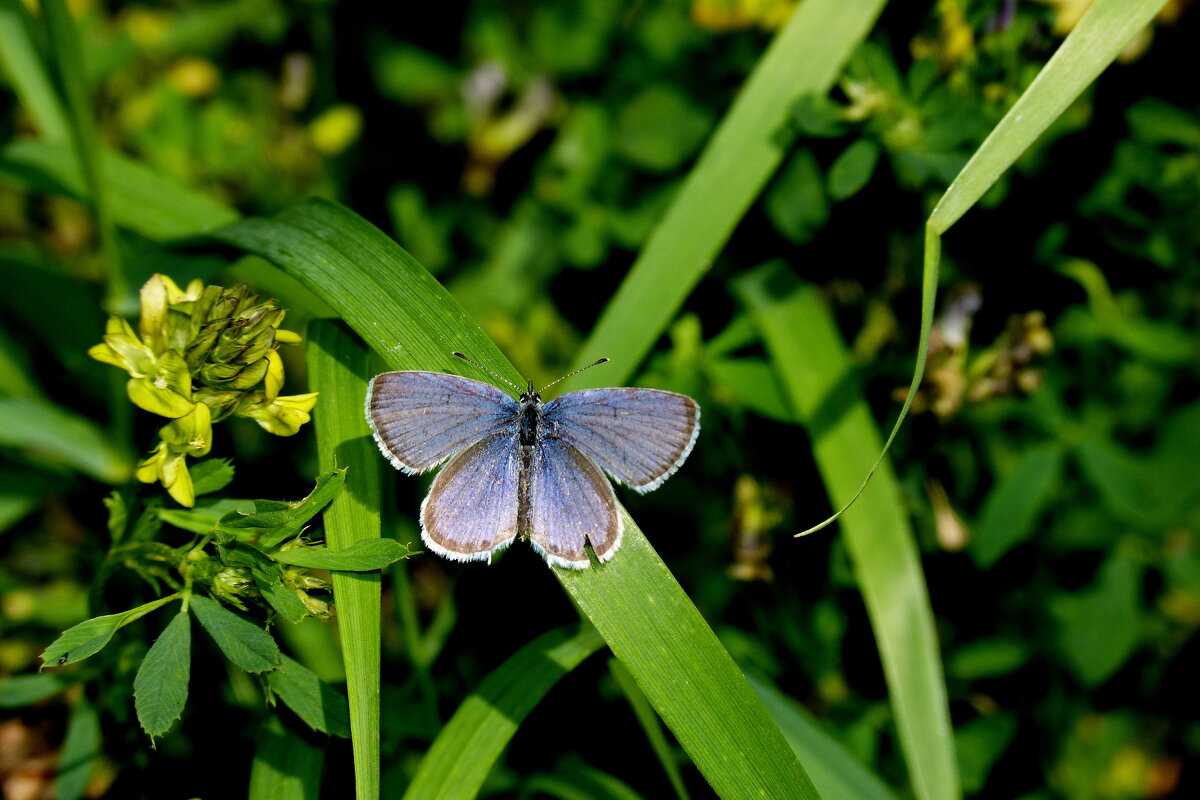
(529, 414)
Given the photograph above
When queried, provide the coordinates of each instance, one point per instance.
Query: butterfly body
(518, 466)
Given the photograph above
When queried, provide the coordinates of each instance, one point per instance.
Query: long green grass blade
(142, 200)
(66, 54)
(22, 63)
(413, 323)
(805, 58)
(650, 724)
(80, 751)
(812, 362)
(1101, 33)
(469, 745)
(46, 431)
(338, 368)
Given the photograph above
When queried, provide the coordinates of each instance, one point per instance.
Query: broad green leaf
(752, 383)
(143, 201)
(90, 637)
(286, 766)
(979, 743)
(795, 202)
(22, 63)
(987, 658)
(410, 320)
(47, 431)
(244, 643)
(813, 364)
(277, 521)
(314, 701)
(160, 689)
(468, 746)
(339, 367)
(804, 59)
(853, 168)
(1012, 508)
(837, 774)
(80, 751)
(361, 556)
(25, 690)
(660, 127)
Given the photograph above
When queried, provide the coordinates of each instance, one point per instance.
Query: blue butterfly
(518, 466)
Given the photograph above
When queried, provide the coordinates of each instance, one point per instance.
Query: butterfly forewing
(422, 418)
(471, 510)
(640, 436)
(571, 503)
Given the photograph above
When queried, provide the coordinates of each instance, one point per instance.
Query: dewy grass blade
(413, 323)
(805, 58)
(338, 368)
(812, 363)
(468, 746)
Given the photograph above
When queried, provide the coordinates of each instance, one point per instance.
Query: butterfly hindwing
(471, 510)
(639, 436)
(571, 503)
(422, 418)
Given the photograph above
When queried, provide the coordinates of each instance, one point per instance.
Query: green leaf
(46, 431)
(206, 516)
(361, 556)
(660, 127)
(339, 367)
(752, 383)
(979, 743)
(314, 701)
(410, 320)
(211, 475)
(80, 751)
(812, 362)
(805, 58)
(278, 596)
(160, 689)
(467, 748)
(286, 766)
(853, 168)
(25, 690)
(796, 203)
(90, 637)
(1012, 508)
(837, 774)
(244, 643)
(1102, 626)
(277, 521)
(143, 201)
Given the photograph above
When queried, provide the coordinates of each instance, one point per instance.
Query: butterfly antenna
(491, 372)
(595, 363)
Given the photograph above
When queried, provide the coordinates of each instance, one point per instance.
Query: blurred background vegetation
(523, 152)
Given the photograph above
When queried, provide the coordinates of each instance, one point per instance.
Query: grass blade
(413, 323)
(67, 57)
(805, 58)
(812, 363)
(46, 430)
(469, 745)
(80, 750)
(1101, 33)
(338, 368)
(650, 724)
(21, 60)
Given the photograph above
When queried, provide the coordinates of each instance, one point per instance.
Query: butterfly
(518, 466)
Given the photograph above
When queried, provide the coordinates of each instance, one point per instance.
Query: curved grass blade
(811, 360)
(21, 61)
(468, 746)
(413, 323)
(338, 368)
(804, 59)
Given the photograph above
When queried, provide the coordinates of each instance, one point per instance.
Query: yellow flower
(281, 416)
(159, 383)
(190, 435)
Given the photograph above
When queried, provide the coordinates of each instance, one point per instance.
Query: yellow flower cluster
(200, 355)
